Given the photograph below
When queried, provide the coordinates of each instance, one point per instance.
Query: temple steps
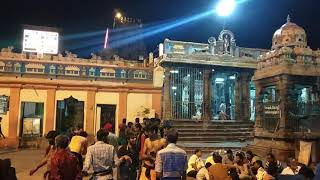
(213, 135)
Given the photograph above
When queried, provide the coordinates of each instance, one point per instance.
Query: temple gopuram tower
(287, 83)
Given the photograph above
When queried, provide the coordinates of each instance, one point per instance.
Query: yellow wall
(33, 95)
(79, 95)
(5, 118)
(158, 76)
(136, 103)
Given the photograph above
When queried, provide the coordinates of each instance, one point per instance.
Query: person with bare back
(152, 145)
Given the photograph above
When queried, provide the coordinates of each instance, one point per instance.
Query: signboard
(272, 110)
(271, 116)
(4, 104)
(40, 41)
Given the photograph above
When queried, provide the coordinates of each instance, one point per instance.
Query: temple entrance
(223, 95)
(105, 113)
(70, 114)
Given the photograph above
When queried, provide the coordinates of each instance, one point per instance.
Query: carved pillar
(167, 105)
(207, 95)
(237, 98)
(283, 87)
(245, 96)
(259, 106)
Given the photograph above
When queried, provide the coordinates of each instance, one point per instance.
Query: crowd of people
(246, 166)
(148, 151)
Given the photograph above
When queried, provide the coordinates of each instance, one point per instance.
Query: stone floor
(23, 161)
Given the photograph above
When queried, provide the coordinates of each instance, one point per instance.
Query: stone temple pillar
(283, 87)
(259, 107)
(237, 99)
(167, 105)
(207, 95)
(245, 96)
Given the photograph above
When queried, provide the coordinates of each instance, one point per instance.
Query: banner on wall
(305, 152)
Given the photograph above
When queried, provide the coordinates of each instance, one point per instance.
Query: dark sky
(253, 22)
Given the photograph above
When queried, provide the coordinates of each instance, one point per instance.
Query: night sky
(253, 22)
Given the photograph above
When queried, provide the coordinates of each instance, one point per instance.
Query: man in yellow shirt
(195, 164)
(78, 146)
(210, 159)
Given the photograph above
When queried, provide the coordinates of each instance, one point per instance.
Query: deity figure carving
(226, 44)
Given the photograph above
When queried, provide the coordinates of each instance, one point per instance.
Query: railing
(188, 110)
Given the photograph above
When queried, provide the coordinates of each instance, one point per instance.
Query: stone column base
(280, 148)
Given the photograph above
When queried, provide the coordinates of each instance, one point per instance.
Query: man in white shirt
(292, 168)
(102, 158)
(195, 164)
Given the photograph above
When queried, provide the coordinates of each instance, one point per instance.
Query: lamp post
(117, 16)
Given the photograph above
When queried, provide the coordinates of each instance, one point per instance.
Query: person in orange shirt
(219, 171)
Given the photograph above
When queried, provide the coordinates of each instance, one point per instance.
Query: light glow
(219, 80)
(106, 39)
(118, 15)
(232, 77)
(225, 7)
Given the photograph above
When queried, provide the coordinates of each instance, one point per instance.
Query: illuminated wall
(136, 104)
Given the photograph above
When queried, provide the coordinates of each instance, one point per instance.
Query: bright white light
(174, 71)
(232, 77)
(118, 15)
(219, 80)
(174, 88)
(225, 7)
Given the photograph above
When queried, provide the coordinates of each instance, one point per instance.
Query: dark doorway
(70, 114)
(106, 113)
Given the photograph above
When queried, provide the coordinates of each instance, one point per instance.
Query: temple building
(287, 83)
(209, 81)
(56, 92)
(208, 91)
